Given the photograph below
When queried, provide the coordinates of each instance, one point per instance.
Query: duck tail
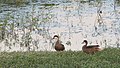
(101, 49)
(97, 45)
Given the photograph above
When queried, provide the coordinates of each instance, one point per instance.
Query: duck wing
(91, 46)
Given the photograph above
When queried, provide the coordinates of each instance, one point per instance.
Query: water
(31, 27)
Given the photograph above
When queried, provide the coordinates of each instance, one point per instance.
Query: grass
(14, 2)
(49, 4)
(109, 58)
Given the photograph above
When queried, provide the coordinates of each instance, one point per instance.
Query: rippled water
(31, 27)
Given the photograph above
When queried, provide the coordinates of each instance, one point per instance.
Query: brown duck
(58, 45)
(90, 49)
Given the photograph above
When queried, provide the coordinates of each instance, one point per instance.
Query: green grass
(108, 58)
(49, 4)
(14, 2)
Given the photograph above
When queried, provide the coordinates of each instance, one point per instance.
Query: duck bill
(83, 42)
(53, 38)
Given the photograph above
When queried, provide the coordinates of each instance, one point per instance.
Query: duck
(58, 46)
(91, 49)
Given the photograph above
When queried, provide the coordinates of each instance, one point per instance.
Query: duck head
(85, 42)
(56, 38)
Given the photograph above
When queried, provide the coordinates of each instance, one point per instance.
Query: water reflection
(31, 27)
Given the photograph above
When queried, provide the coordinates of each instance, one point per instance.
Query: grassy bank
(109, 58)
(14, 2)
